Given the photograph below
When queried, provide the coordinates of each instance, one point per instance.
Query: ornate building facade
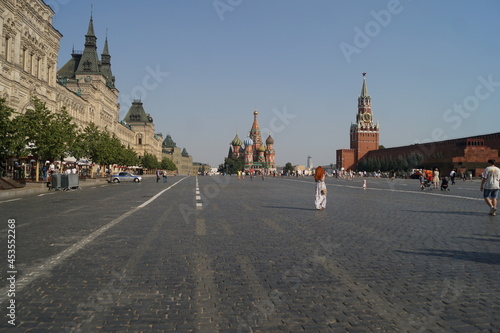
(364, 134)
(180, 157)
(84, 85)
(252, 151)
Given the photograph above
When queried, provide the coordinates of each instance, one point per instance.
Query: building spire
(106, 64)
(89, 62)
(90, 30)
(255, 134)
(364, 89)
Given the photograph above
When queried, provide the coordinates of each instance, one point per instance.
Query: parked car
(125, 177)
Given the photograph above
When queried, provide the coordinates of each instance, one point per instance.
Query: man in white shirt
(490, 186)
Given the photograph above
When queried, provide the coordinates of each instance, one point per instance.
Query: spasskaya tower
(364, 133)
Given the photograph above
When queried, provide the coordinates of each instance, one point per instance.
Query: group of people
(161, 174)
(490, 185)
(427, 178)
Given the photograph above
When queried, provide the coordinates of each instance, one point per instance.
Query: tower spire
(255, 134)
(89, 62)
(106, 64)
(364, 89)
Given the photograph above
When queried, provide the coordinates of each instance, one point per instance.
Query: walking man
(490, 186)
(453, 174)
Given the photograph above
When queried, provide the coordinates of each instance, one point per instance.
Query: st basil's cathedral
(254, 154)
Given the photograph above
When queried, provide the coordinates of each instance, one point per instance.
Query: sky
(201, 68)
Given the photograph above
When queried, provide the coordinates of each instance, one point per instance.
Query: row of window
(30, 62)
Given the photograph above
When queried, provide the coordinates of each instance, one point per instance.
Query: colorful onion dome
(269, 140)
(236, 141)
(248, 141)
(262, 148)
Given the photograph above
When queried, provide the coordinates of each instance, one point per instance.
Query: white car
(125, 177)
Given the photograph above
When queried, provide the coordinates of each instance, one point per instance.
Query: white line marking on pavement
(10, 200)
(43, 194)
(400, 191)
(200, 227)
(160, 193)
(51, 262)
(199, 205)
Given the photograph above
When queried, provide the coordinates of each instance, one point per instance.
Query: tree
(402, 163)
(149, 161)
(92, 144)
(127, 156)
(232, 165)
(50, 136)
(288, 168)
(11, 140)
(362, 165)
(168, 164)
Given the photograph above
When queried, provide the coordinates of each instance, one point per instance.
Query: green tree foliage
(127, 156)
(49, 135)
(52, 136)
(12, 141)
(402, 163)
(168, 164)
(288, 168)
(91, 144)
(149, 161)
(231, 165)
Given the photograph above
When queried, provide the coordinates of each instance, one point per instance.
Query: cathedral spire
(255, 134)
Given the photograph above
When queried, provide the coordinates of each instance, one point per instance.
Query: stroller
(444, 184)
(425, 182)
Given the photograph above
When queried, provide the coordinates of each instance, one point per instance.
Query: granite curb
(41, 187)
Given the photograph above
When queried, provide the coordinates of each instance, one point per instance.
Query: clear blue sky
(432, 68)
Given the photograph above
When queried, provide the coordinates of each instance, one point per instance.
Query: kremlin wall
(466, 155)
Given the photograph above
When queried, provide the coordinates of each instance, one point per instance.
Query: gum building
(84, 85)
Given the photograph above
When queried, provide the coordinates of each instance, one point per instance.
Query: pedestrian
(435, 178)
(453, 174)
(444, 184)
(45, 170)
(490, 186)
(164, 176)
(157, 175)
(422, 180)
(319, 177)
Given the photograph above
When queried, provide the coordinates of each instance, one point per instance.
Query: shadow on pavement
(482, 238)
(480, 257)
(449, 212)
(282, 207)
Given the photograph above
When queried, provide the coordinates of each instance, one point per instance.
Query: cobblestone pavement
(254, 256)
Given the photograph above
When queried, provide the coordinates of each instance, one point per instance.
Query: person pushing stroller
(444, 184)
